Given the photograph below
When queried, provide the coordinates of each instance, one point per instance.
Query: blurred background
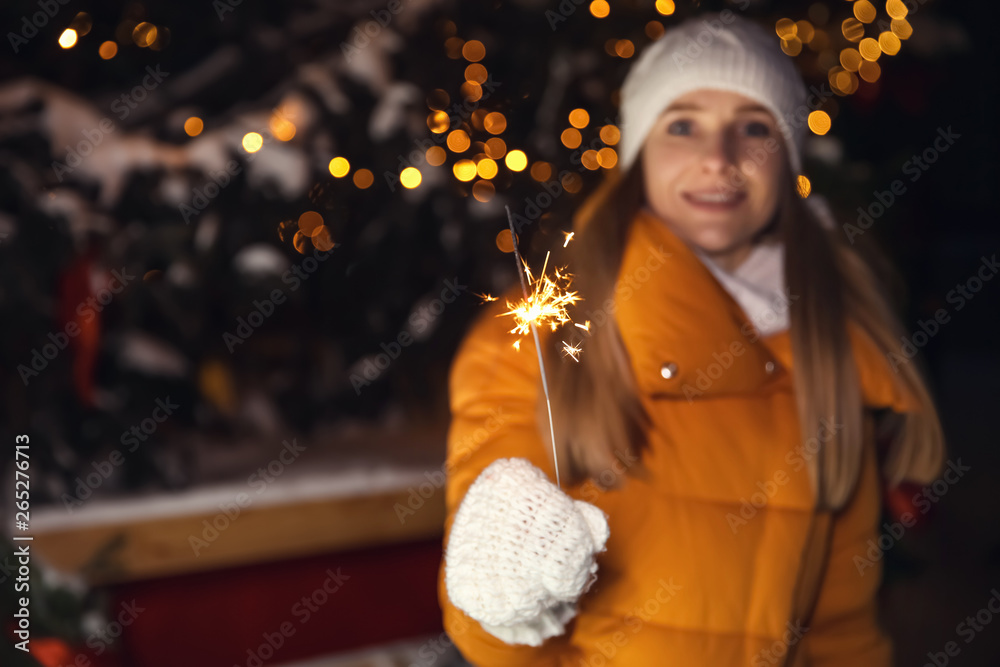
(240, 241)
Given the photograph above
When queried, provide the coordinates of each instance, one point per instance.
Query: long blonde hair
(597, 412)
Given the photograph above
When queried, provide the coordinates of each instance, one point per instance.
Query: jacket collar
(686, 335)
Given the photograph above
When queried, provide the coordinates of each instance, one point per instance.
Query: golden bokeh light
(458, 141)
(301, 242)
(252, 142)
(607, 157)
(579, 118)
(410, 177)
(144, 34)
(804, 31)
(476, 72)
(435, 156)
(67, 39)
(654, 30)
(889, 43)
(471, 91)
(572, 183)
(108, 50)
(193, 126)
(665, 7)
(819, 122)
(896, 9)
(487, 168)
(803, 186)
(869, 49)
(473, 51)
(610, 135)
(870, 71)
(504, 241)
(464, 170)
(850, 59)
(339, 167)
(864, 11)
(853, 30)
(495, 122)
(600, 8)
(364, 178)
(322, 239)
(589, 160)
(785, 28)
(483, 191)
(496, 148)
(310, 222)
(902, 28)
(281, 128)
(570, 137)
(541, 171)
(438, 122)
(624, 48)
(516, 160)
(81, 23)
(791, 47)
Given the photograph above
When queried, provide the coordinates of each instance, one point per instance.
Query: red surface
(223, 618)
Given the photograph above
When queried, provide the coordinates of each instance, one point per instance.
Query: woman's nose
(719, 152)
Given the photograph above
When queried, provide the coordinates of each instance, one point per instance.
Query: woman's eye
(679, 127)
(757, 129)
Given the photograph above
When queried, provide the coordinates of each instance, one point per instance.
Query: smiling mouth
(715, 201)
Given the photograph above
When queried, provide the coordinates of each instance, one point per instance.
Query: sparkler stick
(521, 269)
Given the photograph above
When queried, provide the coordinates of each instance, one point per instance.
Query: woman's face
(714, 166)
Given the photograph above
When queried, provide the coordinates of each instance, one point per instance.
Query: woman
(722, 414)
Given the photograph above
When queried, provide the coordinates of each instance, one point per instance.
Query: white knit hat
(719, 51)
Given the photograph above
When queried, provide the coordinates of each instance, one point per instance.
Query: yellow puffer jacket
(701, 564)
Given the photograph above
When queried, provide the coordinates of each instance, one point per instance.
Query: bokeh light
(193, 126)
(252, 142)
(516, 160)
(410, 177)
(339, 167)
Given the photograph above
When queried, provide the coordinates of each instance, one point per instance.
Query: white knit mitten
(521, 552)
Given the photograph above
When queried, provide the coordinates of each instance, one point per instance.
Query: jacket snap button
(769, 367)
(668, 370)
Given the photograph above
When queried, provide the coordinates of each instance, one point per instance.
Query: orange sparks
(569, 237)
(572, 351)
(486, 297)
(546, 304)
(585, 326)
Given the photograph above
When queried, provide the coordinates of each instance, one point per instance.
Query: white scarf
(758, 285)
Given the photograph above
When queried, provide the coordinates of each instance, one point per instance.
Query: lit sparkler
(545, 304)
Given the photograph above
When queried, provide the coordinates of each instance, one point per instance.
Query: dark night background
(396, 247)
